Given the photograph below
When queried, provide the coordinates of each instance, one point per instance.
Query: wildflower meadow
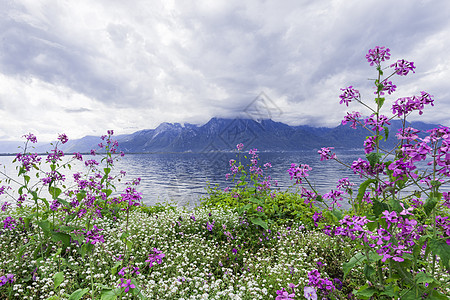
(80, 237)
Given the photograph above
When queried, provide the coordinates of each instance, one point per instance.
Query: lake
(182, 178)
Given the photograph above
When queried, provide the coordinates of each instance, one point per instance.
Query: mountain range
(224, 134)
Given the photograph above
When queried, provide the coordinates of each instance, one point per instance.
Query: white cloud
(86, 66)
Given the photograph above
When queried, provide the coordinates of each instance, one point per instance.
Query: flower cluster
(299, 172)
(326, 154)
(9, 223)
(402, 67)
(405, 105)
(377, 55)
(155, 257)
(349, 94)
(353, 118)
(9, 278)
(255, 172)
(316, 282)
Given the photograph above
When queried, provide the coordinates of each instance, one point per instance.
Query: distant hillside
(223, 135)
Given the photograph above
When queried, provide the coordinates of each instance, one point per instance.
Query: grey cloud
(77, 110)
(218, 55)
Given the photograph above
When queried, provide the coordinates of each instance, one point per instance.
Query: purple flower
(344, 183)
(377, 122)
(349, 94)
(387, 86)
(405, 105)
(240, 146)
(310, 293)
(446, 197)
(5, 205)
(30, 137)
(131, 196)
(9, 223)
(126, 283)
(156, 256)
(78, 156)
(28, 160)
(338, 283)
(56, 155)
(402, 67)
(409, 134)
(377, 55)
(370, 144)
(352, 117)
(391, 217)
(299, 172)
(210, 226)
(93, 237)
(325, 154)
(316, 217)
(5, 279)
(63, 138)
(282, 294)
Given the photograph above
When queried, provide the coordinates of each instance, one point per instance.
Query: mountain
(224, 134)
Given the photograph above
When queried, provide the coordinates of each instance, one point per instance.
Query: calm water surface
(182, 178)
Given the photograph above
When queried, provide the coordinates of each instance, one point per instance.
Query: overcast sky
(82, 67)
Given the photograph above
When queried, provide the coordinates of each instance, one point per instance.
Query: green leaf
(389, 291)
(129, 244)
(256, 201)
(362, 190)
(124, 236)
(45, 202)
(27, 178)
(136, 291)
(337, 214)
(358, 259)
(373, 256)
(107, 171)
(423, 278)
(54, 191)
(378, 207)
(441, 248)
(368, 271)
(435, 295)
(86, 248)
(429, 205)
(46, 226)
(386, 132)
(374, 158)
(34, 194)
(109, 294)
(410, 295)
(380, 101)
(64, 202)
(58, 278)
(78, 294)
(366, 292)
(116, 266)
(81, 195)
(258, 221)
(395, 205)
(61, 237)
